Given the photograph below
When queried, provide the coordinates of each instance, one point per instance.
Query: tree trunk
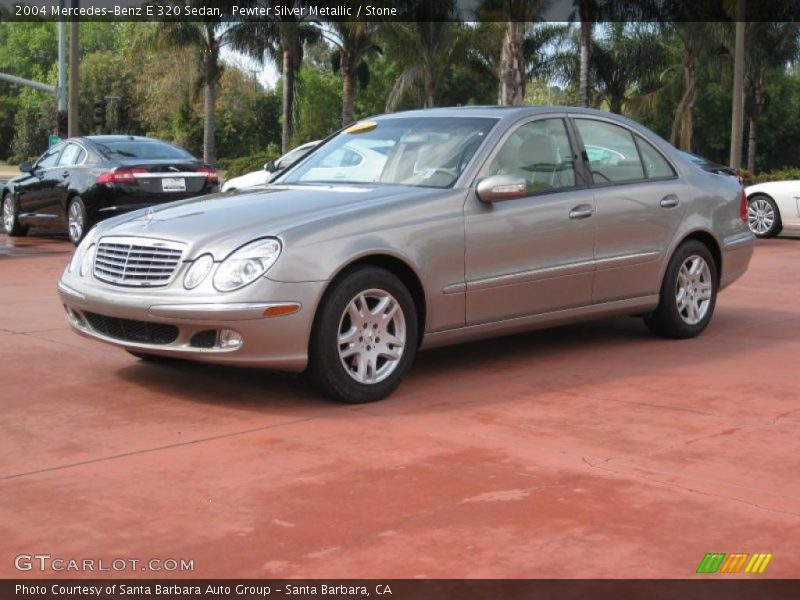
(682, 125)
(751, 145)
(586, 43)
(759, 102)
(210, 122)
(512, 66)
(430, 91)
(348, 83)
(288, 100)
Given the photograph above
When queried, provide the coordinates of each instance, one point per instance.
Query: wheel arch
(709, 241)
(395, 265)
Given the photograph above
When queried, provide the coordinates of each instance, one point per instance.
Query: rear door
(72, 157)
(534, 254)
(639, 203)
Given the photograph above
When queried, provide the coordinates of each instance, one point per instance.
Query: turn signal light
(281, 309)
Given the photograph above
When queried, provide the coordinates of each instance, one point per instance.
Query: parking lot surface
(587, 451)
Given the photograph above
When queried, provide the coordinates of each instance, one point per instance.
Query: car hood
(220, 223)
(248, 180)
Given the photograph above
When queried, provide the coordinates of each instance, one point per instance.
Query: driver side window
(49, 158)
(540, 153)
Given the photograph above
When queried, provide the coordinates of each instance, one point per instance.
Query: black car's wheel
(763, 217)
(11, 217)
(688, 293)
(364, 338)
(77, 220)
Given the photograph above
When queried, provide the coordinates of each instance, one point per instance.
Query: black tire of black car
(325, 368)
(16, 230)
(666, 321)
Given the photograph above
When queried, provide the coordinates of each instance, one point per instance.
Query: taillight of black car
(120, 175)
(211, 174)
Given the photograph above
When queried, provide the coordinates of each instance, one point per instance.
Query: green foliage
(749, 178)
(318, 110)
(247, 164)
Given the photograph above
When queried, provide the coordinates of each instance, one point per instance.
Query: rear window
(136, 149)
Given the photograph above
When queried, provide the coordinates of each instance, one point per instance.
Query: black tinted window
(142, 149)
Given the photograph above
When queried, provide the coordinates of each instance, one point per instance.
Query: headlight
(80, 251)
(87, 261)
(198, 271)
(247, 264)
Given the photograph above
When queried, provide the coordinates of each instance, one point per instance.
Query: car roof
(499, 112)
(121, 138)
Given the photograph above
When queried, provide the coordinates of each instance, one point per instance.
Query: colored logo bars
(719, 562)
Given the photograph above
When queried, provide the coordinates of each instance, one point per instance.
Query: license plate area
(173, 184)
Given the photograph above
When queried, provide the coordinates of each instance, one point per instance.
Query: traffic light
(62, 123)
(100, 114)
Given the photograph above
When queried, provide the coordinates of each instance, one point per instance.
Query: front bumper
(277, 342)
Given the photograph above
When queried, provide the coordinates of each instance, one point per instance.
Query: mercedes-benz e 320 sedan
(481, 222)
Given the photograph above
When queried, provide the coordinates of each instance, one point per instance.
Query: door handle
(670, 201)
(582, 211)
(65, 174)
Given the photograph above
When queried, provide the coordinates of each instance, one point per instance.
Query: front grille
(129, 330)
(139, 262)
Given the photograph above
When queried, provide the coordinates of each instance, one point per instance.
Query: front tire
(763, 216)
(364, 338)
(11, 217)
(688, 293)
(77, 220)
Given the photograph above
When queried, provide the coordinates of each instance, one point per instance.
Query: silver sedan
(479, 222)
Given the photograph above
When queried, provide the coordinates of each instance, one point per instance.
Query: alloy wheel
(371, 336)
(694, 289)
(8, 214)
(76, 222)
(760, 216)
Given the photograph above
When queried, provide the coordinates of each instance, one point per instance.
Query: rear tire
(688, 293)
(763, 216)
(77, 220)
(11, 217)
(364, 337)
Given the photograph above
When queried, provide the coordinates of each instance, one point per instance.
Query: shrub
(255, 162)
(765, 176)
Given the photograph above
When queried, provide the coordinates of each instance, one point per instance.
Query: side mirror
(26, 167)
(270, 166)
(497, 188)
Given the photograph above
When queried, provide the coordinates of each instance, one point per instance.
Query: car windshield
(424, 152)
(136, 149)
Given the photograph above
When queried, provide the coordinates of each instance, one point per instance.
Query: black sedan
(82, 180)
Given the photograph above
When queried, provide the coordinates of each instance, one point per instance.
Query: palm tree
(586, 12)
(427, 44)
(626, 61)
(207, 39)
(769, 46)
(693, 40)
(354, 42)
(280, 40)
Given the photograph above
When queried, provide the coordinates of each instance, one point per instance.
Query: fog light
(229, 339)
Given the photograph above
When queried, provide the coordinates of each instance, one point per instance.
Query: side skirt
(631, 306)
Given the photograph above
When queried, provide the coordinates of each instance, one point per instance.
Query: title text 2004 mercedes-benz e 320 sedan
(481, 222)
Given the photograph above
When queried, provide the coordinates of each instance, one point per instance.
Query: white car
(270, 170)
(773, 207)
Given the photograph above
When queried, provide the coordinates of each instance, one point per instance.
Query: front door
(534, 254)
(36, 192)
